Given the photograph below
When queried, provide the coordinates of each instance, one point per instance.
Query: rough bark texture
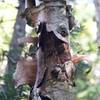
(54, 52)
(56, 85)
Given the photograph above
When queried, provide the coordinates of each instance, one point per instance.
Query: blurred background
(85, 40)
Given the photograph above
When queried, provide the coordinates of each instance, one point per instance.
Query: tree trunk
(14, 52)
(19, 31)
(53, 55)
(97, 7)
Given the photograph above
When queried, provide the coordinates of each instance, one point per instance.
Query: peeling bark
(51, 18)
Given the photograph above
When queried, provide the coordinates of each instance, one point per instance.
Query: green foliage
(83, 42)
(13, 94)
(82, 69)
(7, 20)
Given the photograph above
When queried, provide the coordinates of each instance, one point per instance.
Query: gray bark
(19, 31)
(53, 13)
(14, 51)
(97, 9)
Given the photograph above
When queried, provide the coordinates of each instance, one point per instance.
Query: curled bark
(53, 23)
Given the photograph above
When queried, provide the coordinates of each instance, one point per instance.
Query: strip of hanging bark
(28, 39)
(25, 72)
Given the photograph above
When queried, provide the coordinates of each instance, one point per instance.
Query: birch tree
(55, 69)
